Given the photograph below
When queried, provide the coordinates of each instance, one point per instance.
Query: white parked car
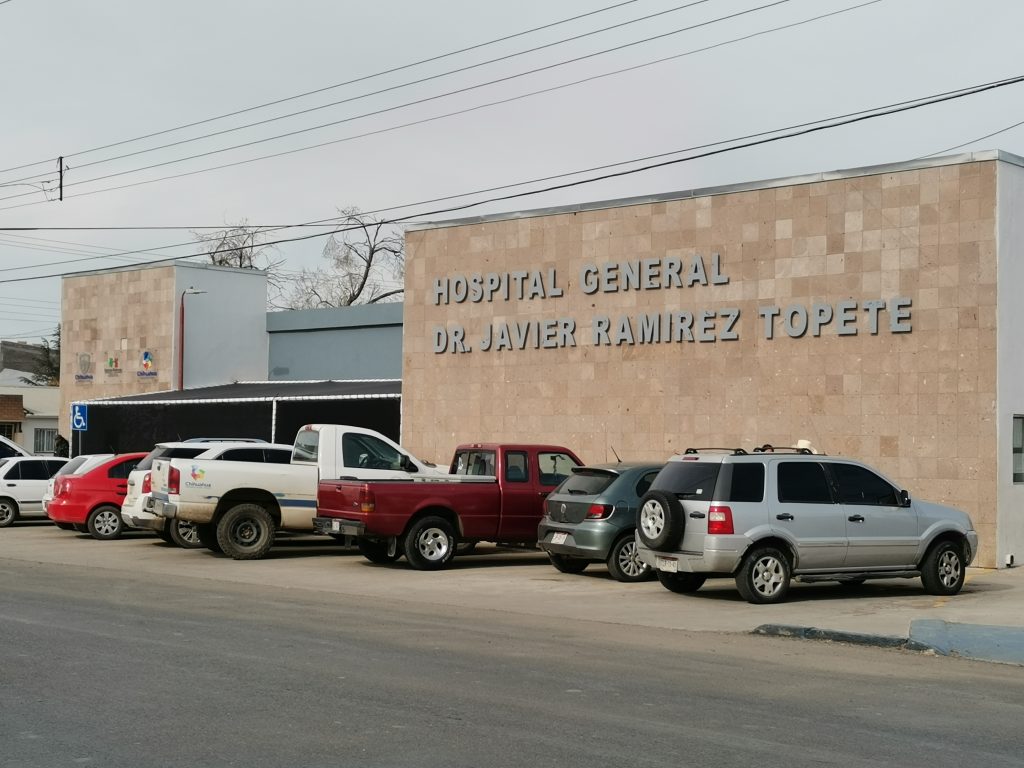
(9, 448)
(136, 511)
(23, 482)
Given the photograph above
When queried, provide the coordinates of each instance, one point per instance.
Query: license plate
(667, 564)
(336, 525)
(559, 538)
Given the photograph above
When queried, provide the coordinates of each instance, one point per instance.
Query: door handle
(856, 518)
(784, 516)
(12, 485)
(697, 515)
(543, 494)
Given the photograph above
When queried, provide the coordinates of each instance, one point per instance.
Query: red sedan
(92, 501)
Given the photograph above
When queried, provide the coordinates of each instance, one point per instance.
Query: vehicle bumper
(336, 525)
(140, 515)
(62, 512)
(972, 542)
(721, 554)
(173, 510)
(591, 540)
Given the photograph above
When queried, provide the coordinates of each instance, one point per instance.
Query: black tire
(207, 533)
(183, 533)
(567, 564)
(430, 544)
(376, 551)
(81, 527)
(943, 569)
(165, 532)
(764, 575)
(681, 583)
(105, 523)
(8, 512)
(623, 563)
(660, 521)
(65, 526)
(246, 532)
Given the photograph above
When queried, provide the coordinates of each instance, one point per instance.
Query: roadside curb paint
(981, 642)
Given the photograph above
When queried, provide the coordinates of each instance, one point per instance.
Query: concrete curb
(982, 642)
(838, 636)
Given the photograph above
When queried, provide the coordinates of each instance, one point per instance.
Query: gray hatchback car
(591, 517)
(765, 518)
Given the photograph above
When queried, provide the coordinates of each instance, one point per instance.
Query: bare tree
(242, 245)
(365, 265)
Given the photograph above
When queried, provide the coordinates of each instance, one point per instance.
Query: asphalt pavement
(985, 621)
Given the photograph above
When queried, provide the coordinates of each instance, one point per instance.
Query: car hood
(931, 512)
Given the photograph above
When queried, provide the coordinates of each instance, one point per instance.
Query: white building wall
(225, 328)
(1009, 357)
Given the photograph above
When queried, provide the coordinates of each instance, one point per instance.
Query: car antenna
(616, 454)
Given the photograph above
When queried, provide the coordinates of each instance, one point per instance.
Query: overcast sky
(80, 75)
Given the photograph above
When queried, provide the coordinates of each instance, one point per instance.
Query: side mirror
(904, 499)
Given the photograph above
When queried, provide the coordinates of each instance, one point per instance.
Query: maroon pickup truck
(498, 496)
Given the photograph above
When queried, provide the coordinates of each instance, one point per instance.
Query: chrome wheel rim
(629, 560)
(433, 544)
(246, 532)
(107, 523)
(767, 575)
(188, 532)
(6, 512)
(949, 569)
(652, 519)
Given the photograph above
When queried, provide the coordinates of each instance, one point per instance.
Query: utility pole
(60, 169)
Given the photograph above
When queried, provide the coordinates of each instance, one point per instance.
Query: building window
(1018, 449)
(44, 440)
(7, 429)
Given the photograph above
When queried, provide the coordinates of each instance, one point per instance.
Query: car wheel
(65, 526)
(104, 523)
(623, 562)
(246, 532)
(943, 570)
(681, 583)
(660, 520)
(430, 544)
(376, 551)
(764, 576)
(184, 534)
(8, 512)
(207, 535)
(567, 564)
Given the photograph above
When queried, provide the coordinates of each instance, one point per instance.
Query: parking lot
(511, 581)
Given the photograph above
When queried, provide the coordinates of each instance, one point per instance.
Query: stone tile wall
(918, 405)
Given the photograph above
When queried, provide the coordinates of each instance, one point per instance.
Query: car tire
(660, 521)
(183, 533)
(165, 532)
(65, 526)
(943, 569)
(8, 512)
(430, 544)
(376, 551)
(207, 533)
(566, 564)
(246, 532)
(764, 576)
(681, 583)
(104, 523)
(623, 563)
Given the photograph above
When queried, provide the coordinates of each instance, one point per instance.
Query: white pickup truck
(238, 506)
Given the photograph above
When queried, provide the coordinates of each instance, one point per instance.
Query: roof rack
(769, 448)
(733, 451)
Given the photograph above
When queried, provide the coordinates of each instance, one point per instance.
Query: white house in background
(28, 414)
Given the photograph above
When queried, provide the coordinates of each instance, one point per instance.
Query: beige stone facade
(915, 399)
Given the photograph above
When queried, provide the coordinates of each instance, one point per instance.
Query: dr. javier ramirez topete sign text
(676, 326)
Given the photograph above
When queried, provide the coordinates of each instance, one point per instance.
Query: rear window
(586, 482)
(307, 446)
(741, 482)
(473, 462)
(168, 453)
(692, 480)
(71, 466)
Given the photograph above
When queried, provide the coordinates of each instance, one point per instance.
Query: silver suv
(774, 514)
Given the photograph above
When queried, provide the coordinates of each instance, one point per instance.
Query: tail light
(147, 483)
(61, 487)
(599, 511)
(366, 500)
(173, 480)
(719, 520)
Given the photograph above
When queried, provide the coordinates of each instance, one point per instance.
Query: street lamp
(190, 291)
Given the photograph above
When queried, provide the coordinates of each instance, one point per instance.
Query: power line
(329, 87)
(440, 117)
(380, 91)
(974, 140)
(27, 334)
(25, 298)
(868, 115)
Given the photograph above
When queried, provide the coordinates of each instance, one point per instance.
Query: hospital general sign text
(844, 318)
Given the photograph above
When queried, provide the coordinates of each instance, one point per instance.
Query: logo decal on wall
(84, 367)
(113, 364)
(147, 365)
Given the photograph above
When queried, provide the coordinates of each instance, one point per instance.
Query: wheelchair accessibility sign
(79, 418)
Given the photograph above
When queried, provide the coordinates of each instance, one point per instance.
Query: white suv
(23, 482)
(771, 515)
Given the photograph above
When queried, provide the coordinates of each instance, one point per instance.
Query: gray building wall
(360, 342)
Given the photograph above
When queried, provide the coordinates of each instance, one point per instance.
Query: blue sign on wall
(79, 417)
